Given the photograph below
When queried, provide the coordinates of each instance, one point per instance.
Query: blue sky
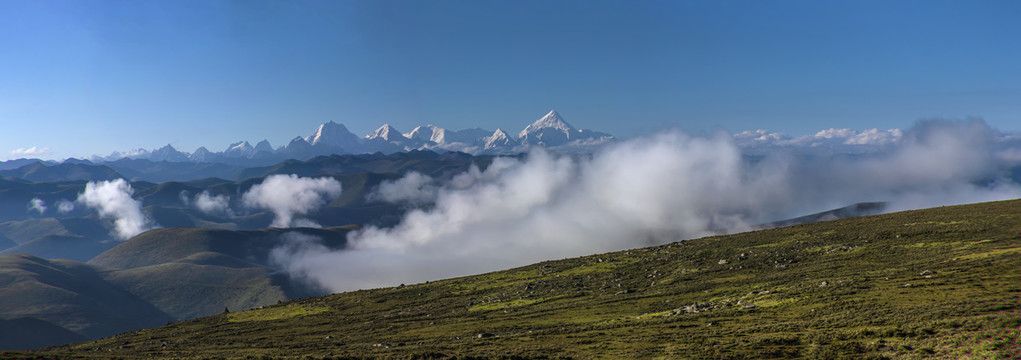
(91, 77)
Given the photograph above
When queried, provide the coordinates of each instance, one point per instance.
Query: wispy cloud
(29, 152)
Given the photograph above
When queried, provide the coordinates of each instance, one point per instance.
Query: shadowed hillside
(940, 282)
(72, 295)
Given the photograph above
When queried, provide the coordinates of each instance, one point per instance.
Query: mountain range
(550, 131)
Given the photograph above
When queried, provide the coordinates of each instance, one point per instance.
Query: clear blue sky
(88, 77)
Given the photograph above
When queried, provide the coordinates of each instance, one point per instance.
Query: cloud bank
(666, 187)
(112, 199)
(289, 197)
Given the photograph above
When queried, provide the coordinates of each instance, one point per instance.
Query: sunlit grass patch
(991, 253)
(276, 313)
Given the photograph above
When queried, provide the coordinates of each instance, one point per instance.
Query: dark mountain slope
(71, 295)
(29, 332)
(71, 238)
(71, 247)
(162, 246)
(6, 243)
(935, 283)
(62, 172)
(27, 230)
(187, 290)
(859, 209)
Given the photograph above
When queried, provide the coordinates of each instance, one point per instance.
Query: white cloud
(37, 205)
(837, 140)
(112, 199)
(288, 196)
(213, 204)
(32, 151)
(414, 188)
(64, 206)
(640, 192)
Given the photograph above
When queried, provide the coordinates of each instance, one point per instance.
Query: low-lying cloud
(37, 205)
(290, 197)
(413, 187)
(666, 187)
(65, 206)
(213, 204)
(112, 199)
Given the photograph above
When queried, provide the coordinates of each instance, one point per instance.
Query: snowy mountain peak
(239, 149)
(332, 134)
(238, 146)
(499, 139)
(386, 132)
(550, 130)
(552, 120)
(427, 133)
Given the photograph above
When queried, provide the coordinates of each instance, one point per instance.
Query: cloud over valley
(666, 187)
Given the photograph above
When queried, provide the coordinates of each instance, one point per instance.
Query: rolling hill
(939, 282)
(71, 295)
(156, 277)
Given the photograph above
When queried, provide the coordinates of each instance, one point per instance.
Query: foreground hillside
(940, 282)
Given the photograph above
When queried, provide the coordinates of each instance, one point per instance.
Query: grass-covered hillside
(942, 282)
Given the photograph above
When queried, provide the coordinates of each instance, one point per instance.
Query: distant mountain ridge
(331, 138)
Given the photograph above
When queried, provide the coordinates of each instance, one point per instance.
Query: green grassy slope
(940, 282)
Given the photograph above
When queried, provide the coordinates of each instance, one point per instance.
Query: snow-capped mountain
(334, 135)
(499, 140)
(551, 131)
(239, 149)
(334, 138)
(387, 133)
(426, 134)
